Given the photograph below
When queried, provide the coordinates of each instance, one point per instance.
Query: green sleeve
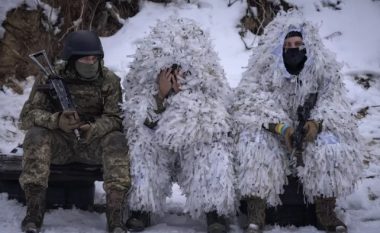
(38, 110)
(110, 120)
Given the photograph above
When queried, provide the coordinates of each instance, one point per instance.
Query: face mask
(87, 72)
(294, 60)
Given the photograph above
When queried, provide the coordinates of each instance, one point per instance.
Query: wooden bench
(69, 185)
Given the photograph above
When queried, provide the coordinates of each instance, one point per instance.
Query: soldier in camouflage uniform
(50, 138)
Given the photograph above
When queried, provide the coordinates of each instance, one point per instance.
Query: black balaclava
(294, 58)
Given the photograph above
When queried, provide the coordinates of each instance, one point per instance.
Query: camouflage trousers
(44, 146)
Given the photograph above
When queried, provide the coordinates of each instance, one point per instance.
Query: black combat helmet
(82, 43)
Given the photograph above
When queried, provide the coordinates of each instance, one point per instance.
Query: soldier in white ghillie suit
(176, 96)
(290, 65)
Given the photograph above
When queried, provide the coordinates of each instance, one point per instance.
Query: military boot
(115, 210)
(216, 223)
(326, 217)
(138, 221)
(255, 214)
(35, 208)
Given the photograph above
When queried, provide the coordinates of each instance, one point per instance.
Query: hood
(176, 41)
(199, 110)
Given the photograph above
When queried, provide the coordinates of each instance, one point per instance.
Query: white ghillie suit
(193, 129)
(267, 93)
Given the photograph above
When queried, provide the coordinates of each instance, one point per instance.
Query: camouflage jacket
(96, 101)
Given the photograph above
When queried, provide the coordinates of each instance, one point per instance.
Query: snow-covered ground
(352, 33)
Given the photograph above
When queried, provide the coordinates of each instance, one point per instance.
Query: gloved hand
(288, 134)
(87, 132)
(283, 130)
(68, 121)
(312, 129)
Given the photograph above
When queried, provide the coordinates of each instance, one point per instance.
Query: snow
(11, 105)
(215, 16)
(352, 33)
(358, 47)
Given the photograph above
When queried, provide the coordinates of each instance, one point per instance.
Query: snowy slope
(357, 46)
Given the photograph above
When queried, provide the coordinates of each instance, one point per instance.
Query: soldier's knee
(115, 140)
(36, 136)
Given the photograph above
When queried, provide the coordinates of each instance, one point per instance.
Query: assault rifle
(54, 84)
(303, 115)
